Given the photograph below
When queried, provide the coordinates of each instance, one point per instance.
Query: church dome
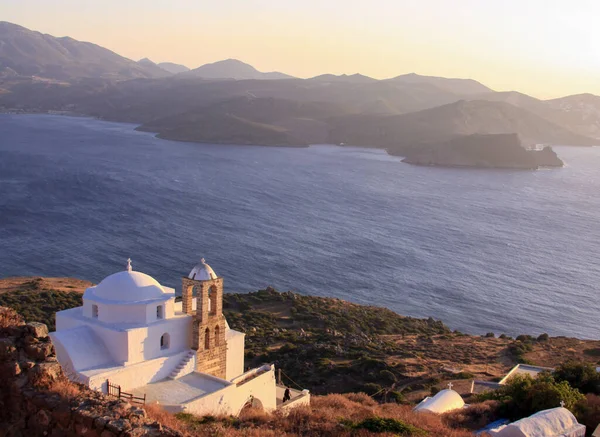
(202, 272)
(127, 287)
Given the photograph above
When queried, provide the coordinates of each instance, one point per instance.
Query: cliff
(483, 151)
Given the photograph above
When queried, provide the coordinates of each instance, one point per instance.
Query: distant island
(428, 120)
(485, 151)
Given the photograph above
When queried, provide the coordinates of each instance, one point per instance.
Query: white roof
(556, 422)
(202, 272)
(127, 287)
(445, 400)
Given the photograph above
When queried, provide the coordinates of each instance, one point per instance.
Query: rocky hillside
(36, 399)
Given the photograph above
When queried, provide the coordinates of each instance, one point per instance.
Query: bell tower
(208, 326)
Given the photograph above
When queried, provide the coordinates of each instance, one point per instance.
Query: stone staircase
(176, 373)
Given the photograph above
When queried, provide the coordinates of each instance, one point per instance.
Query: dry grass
(65, 388)
(10, 318)
(474, 417)
(328, 416)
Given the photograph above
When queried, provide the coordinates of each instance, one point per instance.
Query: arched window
(207, 339)
(95, 311)
(217, 331)
(159, 312)
(212, 300)
(165, 341)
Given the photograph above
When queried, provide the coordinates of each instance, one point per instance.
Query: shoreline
(403, 159)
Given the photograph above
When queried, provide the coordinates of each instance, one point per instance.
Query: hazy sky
(546, 48)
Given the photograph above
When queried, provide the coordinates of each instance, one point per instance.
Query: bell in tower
(208, 333)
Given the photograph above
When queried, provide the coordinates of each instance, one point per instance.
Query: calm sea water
(502, 251)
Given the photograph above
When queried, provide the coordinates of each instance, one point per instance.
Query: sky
(545, 48)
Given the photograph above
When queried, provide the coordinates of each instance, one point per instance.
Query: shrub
(588, 411)
(582, 376)
(464, 375)
(397, 397)
(387, 377)
(523, 396)
(490, 335)
(543, 337)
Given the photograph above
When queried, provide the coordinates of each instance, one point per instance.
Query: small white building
(131, 333)
(556, 422)
(443, 401)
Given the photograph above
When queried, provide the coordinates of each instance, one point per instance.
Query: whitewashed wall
(235, 354)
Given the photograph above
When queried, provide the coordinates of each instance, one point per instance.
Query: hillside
(249, 120)
(27, 53)
(333, 346)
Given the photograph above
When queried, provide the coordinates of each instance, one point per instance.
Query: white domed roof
(127, 287)
(445, 400)
(202, 272)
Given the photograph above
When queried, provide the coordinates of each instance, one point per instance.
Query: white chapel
(131, 334)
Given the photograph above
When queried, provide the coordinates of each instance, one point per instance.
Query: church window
(165, 341)
(159, 312)
(217, 331)
(207, 339)
(212, 300)
(95, 311)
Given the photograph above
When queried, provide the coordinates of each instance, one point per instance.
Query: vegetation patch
(386, 424)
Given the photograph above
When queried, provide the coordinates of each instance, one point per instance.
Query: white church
(130, 333)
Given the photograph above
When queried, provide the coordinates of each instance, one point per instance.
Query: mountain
(173, 68)
(29, 53)
(458, 86)
(399, 133)
(232, 69)
(353, 78)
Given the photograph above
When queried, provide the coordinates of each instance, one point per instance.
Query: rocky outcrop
(36, 399)
(483, 151)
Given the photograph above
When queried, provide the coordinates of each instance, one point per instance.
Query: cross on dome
(562, 404)
(450, 385)
(128, 267)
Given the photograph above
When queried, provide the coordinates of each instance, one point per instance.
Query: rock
(100, 422)
(47, 371)
(107, 433)
(8, 350)
(38, 330)
(62, 415)
(39, 351)
(10, 369)
(117, 426)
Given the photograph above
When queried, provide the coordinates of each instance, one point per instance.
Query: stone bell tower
(208, 326)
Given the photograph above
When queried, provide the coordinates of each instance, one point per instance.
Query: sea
(482, 250)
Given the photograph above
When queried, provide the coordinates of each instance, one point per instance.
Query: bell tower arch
(208, 326)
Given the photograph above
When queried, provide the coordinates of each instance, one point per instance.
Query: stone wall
(36, 399)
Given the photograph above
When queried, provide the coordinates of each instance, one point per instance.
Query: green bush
(582, 376)
(490, 335)
(523, 395)
(543, 337)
